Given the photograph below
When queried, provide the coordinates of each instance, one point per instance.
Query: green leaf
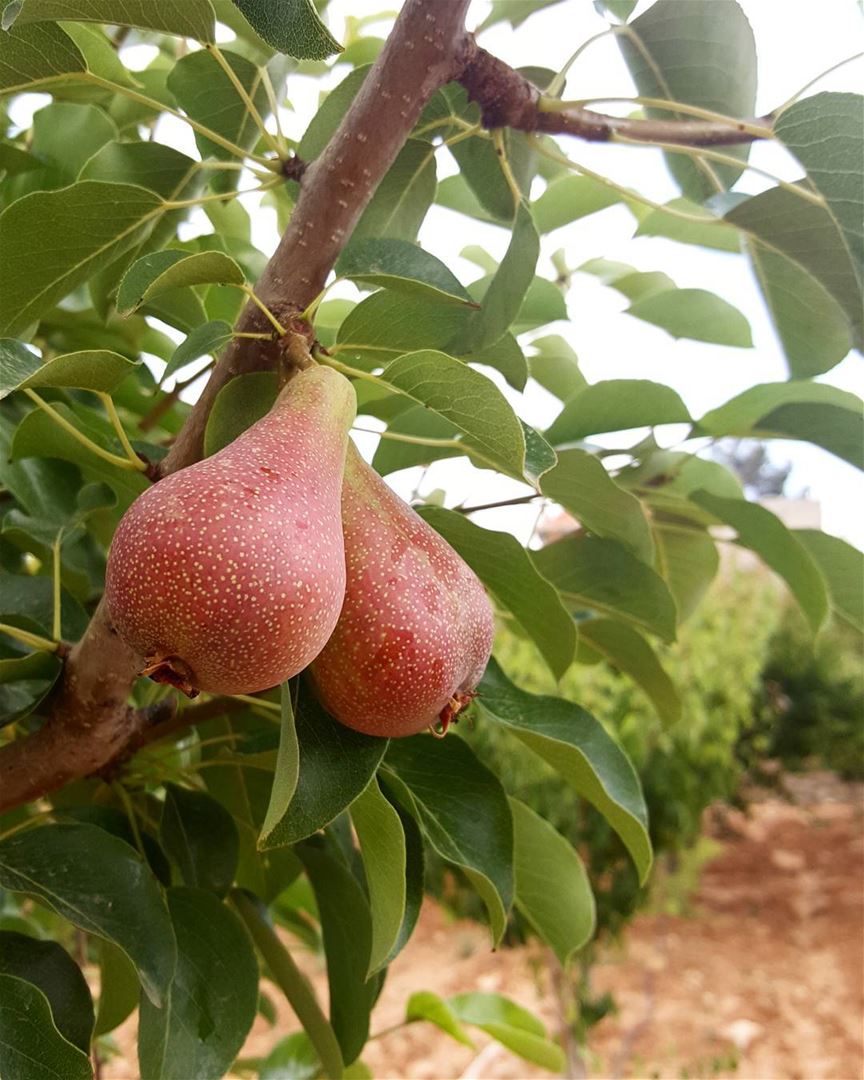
(389, 323)
(200, 836)
(506, 569)
(239, 404)
(812, 327)
(784, 225)
(764, 533)
(399, 205)
(330, 114)
(468, 400)
(100, 56)
(30, 54)
(401, 266)
(65, 135)
(291, 26)
(455, 194)
(14, 160)
(713, 234)
(463, 811)
(199, 1030)
(826, 133)
(842, 565)
(287, 770)
(552, 888)
(336, 764)
(414, 862)
(569, 198)
(602, 574)
(59, 863)
(292, 1058)
(118, 988)
(616, 405)
(510, 1025)
(503, 299)
(424, 1005)
(207, 94)
(192, 18)
(505, 356)
(578, 746)
(96, 369)
(208, 338)
(694, 314)
(162, 271)
(31, 1047)
(346, 924)
(382, 842)
(628, 651)
(687, 560)
(815, 412)
(92, 222)
(581, 484)
(556, 367)
(699, 54)
(48, 966)
(159, 168)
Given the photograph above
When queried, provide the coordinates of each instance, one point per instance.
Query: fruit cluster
(286, 549)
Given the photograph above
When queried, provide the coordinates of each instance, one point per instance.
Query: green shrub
(812, 701)
(716, 664)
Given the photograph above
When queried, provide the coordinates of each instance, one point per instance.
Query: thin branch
(519, 500)
(507, 99)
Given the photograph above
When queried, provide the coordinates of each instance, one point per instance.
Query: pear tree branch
(91, 723)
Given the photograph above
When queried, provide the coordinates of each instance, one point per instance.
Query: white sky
(808, 37)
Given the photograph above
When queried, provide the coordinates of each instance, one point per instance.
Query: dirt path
(761, 980)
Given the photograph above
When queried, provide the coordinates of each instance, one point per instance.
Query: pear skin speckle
(232, 572)
(416, 628)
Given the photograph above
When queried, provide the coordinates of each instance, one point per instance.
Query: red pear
(416, 628)
(228, 576)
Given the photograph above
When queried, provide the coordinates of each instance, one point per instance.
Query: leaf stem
(828, 71)
(503, 161)
(415, 440)
(243, 94)
(35, 641)
(123, 795)
(554, 88)
(628, 193)
(158, 106)
(116, 423)
(352, 372)
(57, 620)
(249, 700)
(269, 90)
(723, 159)
(250, 292)
(79, 436)
(291, 982)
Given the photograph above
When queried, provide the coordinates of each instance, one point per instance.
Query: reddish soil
(761, 979)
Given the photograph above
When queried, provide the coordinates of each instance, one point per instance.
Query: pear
(228, 576)
(416, 628)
